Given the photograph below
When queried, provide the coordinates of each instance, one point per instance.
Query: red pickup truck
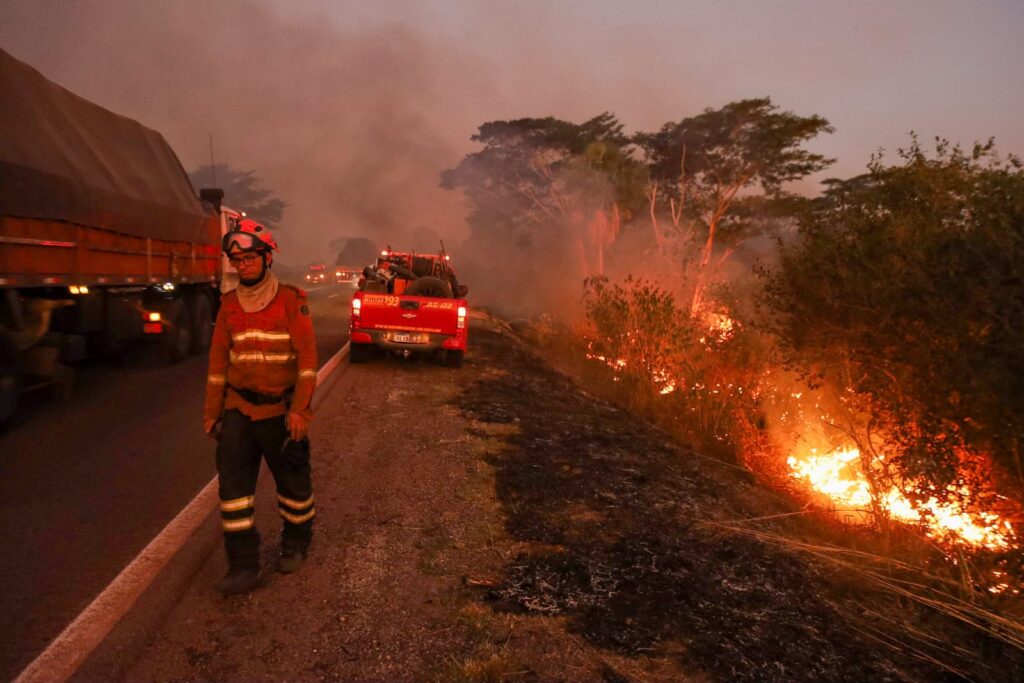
(409, 303)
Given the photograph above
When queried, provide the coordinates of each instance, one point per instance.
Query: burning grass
(839, 475)
(722, 389)
(651, 550)
(952, 550)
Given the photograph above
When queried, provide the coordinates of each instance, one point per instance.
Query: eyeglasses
(243, 260)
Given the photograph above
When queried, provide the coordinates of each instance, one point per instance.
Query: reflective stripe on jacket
(267, 351)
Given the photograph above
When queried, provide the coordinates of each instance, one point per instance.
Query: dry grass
(904, 580)
(896, 593)
(493, 669)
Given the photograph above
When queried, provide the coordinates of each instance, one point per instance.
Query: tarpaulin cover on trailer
(64, 158)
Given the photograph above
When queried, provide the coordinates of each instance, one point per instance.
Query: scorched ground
(498, 523)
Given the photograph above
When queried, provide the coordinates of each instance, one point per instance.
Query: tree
(355, 251)
(542, 179)
(906, 292)
(703, 163)
(242, 191)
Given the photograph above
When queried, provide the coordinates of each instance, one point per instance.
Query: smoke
(348, 125)
(349, 111)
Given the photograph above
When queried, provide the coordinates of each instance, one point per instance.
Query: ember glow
(720, 327)
(616, 363)
(839, 476)
(661, 379)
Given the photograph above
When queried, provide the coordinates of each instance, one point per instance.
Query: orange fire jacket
(269, 351)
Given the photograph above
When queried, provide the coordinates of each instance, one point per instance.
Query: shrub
(906, 291)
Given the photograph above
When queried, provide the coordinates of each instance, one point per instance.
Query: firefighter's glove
(212, 428)
(298, 426)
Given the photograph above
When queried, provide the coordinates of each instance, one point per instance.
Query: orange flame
(719, 325)
(839, 475)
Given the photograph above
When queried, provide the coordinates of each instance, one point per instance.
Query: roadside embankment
(498, 523)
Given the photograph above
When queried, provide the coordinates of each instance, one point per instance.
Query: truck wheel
(429, 286)
(107, 349)
(9, 391)
(178, 335)
(10, 384)
(201, 317)
(453, 358)
(63, 382)
(358, 353)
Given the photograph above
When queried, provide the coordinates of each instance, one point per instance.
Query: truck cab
(229, 219)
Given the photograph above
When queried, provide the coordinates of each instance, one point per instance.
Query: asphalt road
(85, 485)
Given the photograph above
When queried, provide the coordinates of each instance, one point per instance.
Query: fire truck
(317, 274)
(102, 238)
(410, 304)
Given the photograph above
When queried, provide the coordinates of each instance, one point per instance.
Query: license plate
(406, 338)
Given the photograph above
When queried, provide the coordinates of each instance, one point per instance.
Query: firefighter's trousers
(243, 443)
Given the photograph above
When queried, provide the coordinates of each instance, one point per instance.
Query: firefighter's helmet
(249, 236)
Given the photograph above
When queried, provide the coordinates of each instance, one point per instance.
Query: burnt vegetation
(857, 354)
(630, 536)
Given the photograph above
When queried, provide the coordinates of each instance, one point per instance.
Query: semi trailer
(103, 240)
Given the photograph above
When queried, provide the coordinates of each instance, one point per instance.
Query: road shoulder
(498, 523)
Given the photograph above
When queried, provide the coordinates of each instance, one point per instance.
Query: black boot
(238, 581)
(292, 557)
(295, 539)
(243, 551)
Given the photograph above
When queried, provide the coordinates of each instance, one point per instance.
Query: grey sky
(349, 110)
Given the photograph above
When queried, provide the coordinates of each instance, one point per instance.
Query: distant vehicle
(347, 275)
(356, 254)
(317, 274)
(103, 240)
(410, 303)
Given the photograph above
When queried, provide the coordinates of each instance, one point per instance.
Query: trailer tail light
(462, 318)
(152, 323)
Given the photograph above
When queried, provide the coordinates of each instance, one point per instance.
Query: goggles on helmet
(243, 241)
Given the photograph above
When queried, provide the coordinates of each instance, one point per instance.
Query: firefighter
(386, 275)
(261, 378)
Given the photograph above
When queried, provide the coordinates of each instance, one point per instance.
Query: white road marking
(73, 646)
(352, 284)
